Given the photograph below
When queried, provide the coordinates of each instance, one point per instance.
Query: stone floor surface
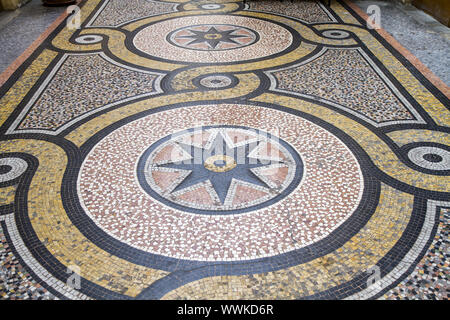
(216, 149)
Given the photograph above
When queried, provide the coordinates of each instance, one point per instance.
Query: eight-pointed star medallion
(213, 37)
(220, 169)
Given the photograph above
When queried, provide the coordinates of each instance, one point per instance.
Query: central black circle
(432, 157)
(5, 169)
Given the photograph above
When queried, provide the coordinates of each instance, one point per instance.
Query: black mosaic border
(96, 291)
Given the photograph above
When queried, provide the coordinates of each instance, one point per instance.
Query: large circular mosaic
(223, 169)
(215, 38)
(169, 219)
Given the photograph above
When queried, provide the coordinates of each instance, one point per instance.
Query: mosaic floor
(215, 149)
